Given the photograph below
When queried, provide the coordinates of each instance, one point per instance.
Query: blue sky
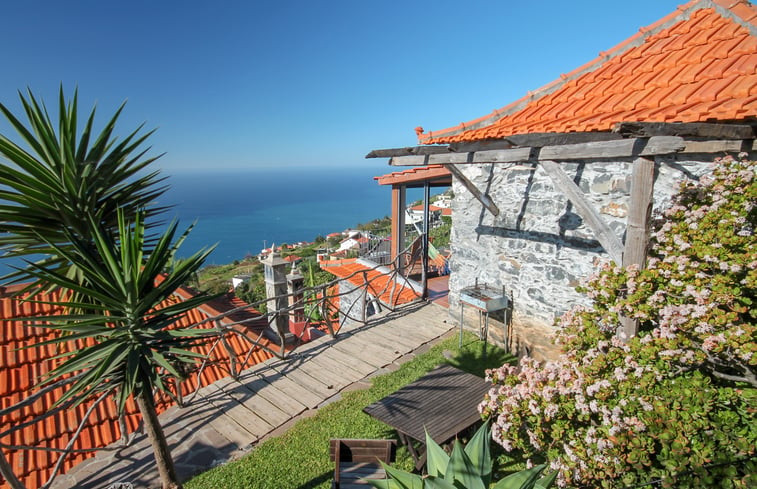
(300, 83)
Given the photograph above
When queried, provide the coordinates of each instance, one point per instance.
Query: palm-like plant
(79, 201)
(56, 182)
(132, 342)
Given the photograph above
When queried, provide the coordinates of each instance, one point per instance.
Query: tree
(131, 344)
(84, 202)
(64, 181)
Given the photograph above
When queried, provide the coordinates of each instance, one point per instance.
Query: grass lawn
(300, 458)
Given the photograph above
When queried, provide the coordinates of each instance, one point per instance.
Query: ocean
(243, 212)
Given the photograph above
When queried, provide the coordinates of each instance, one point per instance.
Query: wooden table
(444, 401)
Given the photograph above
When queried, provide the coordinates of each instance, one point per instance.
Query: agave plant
(468, 467)
(54, 182)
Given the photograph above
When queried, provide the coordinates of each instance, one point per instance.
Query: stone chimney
(295, 283)
(274, 268)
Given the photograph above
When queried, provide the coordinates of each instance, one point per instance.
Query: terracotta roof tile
(696, 64)
(21, 369)
(412, 175)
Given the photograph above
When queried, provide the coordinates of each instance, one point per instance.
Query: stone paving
(225, 420)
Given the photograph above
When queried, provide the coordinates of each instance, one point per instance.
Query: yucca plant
(133, 344)
(55, 181)
(468, 467)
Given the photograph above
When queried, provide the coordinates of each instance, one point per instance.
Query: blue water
(245, 211)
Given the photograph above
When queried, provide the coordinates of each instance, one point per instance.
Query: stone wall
(538, 247)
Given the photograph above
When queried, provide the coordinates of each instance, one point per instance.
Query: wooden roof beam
(410, 150)
(685, 129)
(620, 148)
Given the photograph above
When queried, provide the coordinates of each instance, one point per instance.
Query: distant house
(22, 364)
(415, 213)
(562, 180)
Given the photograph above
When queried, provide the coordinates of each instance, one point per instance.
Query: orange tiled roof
(431, 208)
(379, 284)
(21, 367)
(411, 175)
(698, 64)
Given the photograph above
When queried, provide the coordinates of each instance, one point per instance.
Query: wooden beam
(622, 148)
(720, 146)
(606, 236)
(410, 150)
(480, 196)
(637, 229)
(685, 129)
(538, 140)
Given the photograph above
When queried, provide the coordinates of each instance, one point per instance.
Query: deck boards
(234, 414)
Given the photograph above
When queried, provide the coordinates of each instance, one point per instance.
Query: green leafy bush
(676, 403)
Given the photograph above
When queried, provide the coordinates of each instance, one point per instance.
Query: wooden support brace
(606, 237)
(480, 196)
(637, 233)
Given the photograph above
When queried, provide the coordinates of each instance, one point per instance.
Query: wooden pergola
(637, 142)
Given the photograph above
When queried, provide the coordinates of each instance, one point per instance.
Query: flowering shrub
(675, 403)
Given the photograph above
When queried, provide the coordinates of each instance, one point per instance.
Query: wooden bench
(356, 460)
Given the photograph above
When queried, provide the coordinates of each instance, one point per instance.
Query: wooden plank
(502, 155)
(301, 377)
(258, 405)
(328, 376)
(294, 390)
(622, 148)
(685, 129)
(406, 337)
(391, 340)
(414, 160)
(732, 146)
(606, 237)
(637, 231)
(283, 401)
(352, 361)
(225, 423)
(480, 196)
(411, 150)
(248, 419)
(329, 368)
(372, 353)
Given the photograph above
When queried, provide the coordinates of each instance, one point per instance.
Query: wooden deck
(228, 418)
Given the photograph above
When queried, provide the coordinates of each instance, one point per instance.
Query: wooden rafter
(685, 129)
(487, 202)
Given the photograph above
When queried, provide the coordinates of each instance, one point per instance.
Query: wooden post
(637, 231)
(398, 221)
(424, 242)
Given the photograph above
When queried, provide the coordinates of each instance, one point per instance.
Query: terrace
(229, 418)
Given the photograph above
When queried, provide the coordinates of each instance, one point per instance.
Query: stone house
(566, 178)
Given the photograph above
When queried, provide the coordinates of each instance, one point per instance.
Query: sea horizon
(243, 211)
